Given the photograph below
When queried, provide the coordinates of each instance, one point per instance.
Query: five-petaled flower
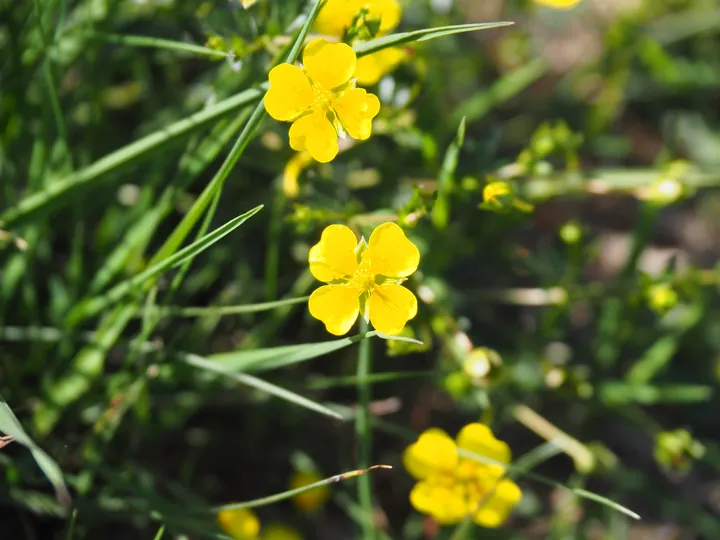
(452, 487)
(363, 277)
(321, 100)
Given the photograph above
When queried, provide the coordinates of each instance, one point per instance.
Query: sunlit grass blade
(258, 384)
(264, 501)
(375, 45)
(95, 305)
(159, 43)
(440, 215)
(275, 357)
(160, 533)
(59, 191)
(219, 311)
(10, 426)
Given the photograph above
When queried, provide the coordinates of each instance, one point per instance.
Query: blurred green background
(579, 303)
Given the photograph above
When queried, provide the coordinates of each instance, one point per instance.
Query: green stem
(272, 259)
(364, 433)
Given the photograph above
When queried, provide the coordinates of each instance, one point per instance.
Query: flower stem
(364, 434)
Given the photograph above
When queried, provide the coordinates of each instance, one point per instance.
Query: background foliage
(589, 273)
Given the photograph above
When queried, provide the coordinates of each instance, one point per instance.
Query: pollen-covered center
(363, 279)
(322, 98)
(465, 483)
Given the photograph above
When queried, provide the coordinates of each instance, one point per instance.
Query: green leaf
(375, 45)
(93, 306)
(10, 425)
(219, 311)
(441, 209)
(58, 192)
(275, 357)
(259, 384)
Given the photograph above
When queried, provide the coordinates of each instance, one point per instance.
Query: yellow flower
(309, 501)
(291, 173)
(278, 531)
(451, 487)
(241, 524)
(337, 15)
(373, 67)
(558, 4)
(321, 100)
(247, 3)
(363, 278)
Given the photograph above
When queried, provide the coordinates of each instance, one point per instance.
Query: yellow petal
(329, 64)
(241, 524)
(391, 254)
(316, 134)
(433, 453)
(290, 93)
(308, 501)
(391, 307)
(558, 4)
(498, 505)
(389, 12)
(373, 67)
(355, 109)
(292, 171)
(333, 257)
(478, 439)
(278, 531)
(337, 306)
(335, 17)
(444, 503)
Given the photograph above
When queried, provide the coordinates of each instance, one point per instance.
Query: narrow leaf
(375, 45)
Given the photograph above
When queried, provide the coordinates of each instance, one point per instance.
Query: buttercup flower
(308, 501)
(451, 487)
(336, 16)
(363, 278)
(321, 99)
(292, 171)
(373, 67)
(241, 524)
(558, 4)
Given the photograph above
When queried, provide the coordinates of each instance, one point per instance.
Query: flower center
(466, 482)
(323, 98)
(363, 279)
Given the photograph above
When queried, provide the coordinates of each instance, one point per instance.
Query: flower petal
(389, 12)
(496, 508)
(391, 307)
(333, 257)
(316, 134)
(373, 67)
(329, 64)
(335, 17)
(356, 109)
(478, 439)
(290, 93)
(445, 504)
(391, 254)
(337, 306)
(434, 452)
(241, 524)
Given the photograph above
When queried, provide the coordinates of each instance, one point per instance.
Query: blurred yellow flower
(278, 531)
(373, 67)
(240, 524)
(338, 15)
(309, 501)
(451, 487)
(558, 4)
(291, 173)
(247, 3)
(321, 100)
(363, 278)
